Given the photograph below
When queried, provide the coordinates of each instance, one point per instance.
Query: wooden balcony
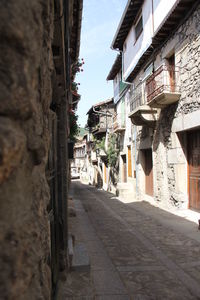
(162, 87)
(141, 113)
(119, 123)
(99, 129)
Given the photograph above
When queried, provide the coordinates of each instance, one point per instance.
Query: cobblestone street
(137, 251)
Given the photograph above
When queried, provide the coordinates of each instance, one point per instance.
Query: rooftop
(100, 104)
(116, 67)
(131, 10)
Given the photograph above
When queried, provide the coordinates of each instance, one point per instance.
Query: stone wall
(26, 30)
(186, 45)
(169, 138)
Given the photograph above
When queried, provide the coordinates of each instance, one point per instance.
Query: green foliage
(112, 151)
(99, 144)
(74, 128)
(77, 67)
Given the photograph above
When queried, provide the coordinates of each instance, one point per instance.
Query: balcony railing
(164, 80)
(119, 122)
(137, 97)
(141, 113)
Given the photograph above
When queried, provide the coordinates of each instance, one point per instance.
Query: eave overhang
(131, 11)
(116, 67)
(98, 105)
(76, 29)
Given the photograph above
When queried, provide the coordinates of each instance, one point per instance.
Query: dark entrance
(124, 169)
(193, 141)
(148, 169)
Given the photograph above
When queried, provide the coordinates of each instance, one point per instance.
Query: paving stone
(78, 284)
(156, 285)
(107, 282)
(140, 268)
(133, 253)
(113, 297)
(100, 262)
(94, 246)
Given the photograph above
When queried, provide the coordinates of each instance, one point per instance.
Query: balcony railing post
(137, 97)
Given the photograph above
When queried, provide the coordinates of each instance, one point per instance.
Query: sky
(99, 24)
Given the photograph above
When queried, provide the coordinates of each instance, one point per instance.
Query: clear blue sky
(100, 21)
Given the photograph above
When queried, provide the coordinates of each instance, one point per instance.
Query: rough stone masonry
(26, 30)
(170, 163)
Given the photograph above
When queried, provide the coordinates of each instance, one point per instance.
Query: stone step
(124, 189)
(80, 260)
(125, 186)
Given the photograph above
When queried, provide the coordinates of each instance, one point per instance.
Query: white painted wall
(116, 83)
(133, 49)
(161, 8)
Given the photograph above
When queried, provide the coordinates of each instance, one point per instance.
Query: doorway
(124, 168)
(105, 174)
(148, 170)
(129, 162)
(171, 62)
(193, 146)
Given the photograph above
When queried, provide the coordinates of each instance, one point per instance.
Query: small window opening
(138, 28)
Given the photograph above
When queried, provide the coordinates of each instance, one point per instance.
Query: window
(138, 28)
(148, 70)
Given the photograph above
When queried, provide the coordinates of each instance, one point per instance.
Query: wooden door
(105, 174)
(148, 172)
(194, 168)
(124, 169)
(129, 162)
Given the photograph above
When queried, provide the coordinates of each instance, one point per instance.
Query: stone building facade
(178, 120)
(100, 125)
(162, 71)
(34, 91)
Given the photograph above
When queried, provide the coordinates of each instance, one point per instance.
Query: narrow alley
(136, 251)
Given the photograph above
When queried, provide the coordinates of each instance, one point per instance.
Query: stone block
(176, 156)
(80, 261)
(185, 122)
(12, 147)
(175, 140)
(181, 178)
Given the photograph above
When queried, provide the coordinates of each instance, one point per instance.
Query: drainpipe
(152, 6)
(101, 113)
